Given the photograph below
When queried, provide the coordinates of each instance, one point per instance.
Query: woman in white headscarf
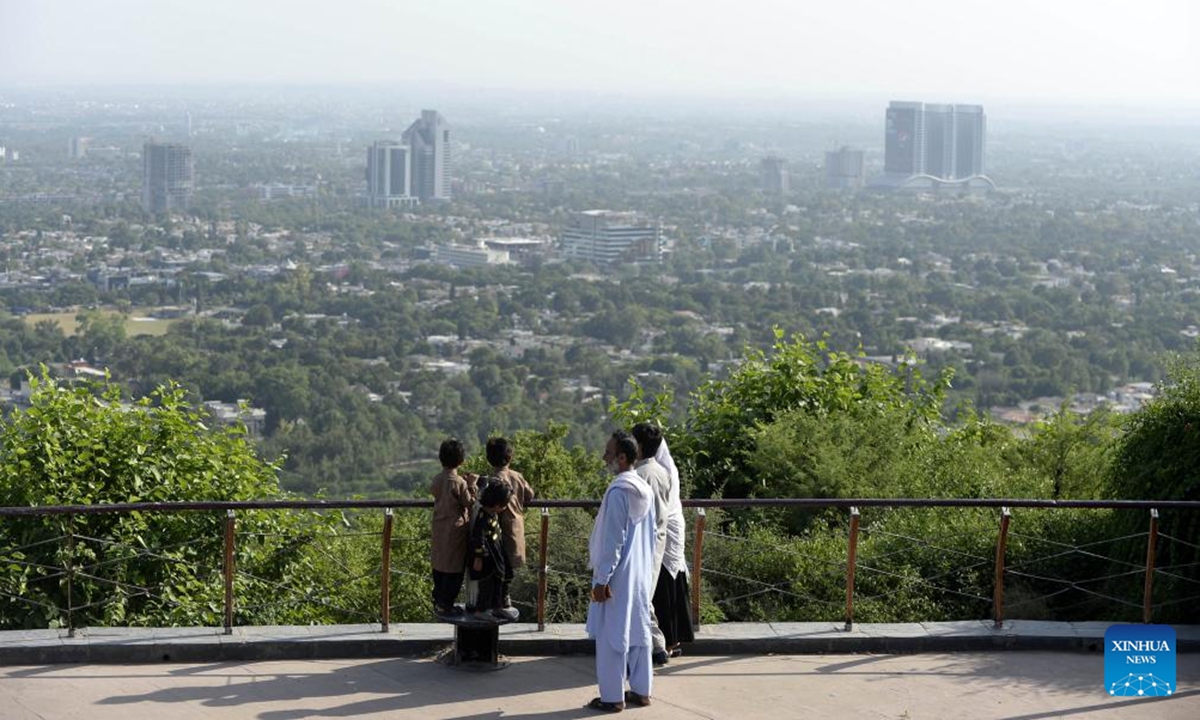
(672, 601)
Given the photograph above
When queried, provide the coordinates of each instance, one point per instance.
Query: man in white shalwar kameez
(621, 556)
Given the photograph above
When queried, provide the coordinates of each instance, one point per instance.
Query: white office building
(605, 236)
(389, 175)
(467, 256)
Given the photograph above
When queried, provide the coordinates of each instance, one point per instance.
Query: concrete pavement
(1015, 685)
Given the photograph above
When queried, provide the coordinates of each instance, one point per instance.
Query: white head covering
(673, 558)
(663, 456)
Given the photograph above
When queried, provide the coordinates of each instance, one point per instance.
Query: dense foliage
(856, 430)
(80, 446)
(803, 422)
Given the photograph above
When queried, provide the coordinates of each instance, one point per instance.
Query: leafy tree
(258, 315)
(798, 377)
(1067, 452)
(76, 446)
(99, 333)
(1159, 458)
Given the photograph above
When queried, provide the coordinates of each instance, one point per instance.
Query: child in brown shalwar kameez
(453, 496)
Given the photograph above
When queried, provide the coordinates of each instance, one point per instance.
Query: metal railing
(953, 558)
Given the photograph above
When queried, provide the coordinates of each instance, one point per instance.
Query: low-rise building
(604, 236)
(230, 414)
(465, 256)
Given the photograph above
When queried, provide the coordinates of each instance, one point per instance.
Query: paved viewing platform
(1019, 685)
(1028, 670)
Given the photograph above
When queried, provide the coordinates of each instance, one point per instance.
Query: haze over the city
(1061, 52)
(841, 254)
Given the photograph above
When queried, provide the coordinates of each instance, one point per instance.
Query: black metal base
(447, 658)
(476, 643)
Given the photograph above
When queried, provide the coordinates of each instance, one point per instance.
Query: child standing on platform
(490, 564)
(512, 520)
(453, 496)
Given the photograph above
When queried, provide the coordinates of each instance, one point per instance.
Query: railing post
(229, 531)
(385, 575)
(70, 570)
(1151, 547)
(998, 592)
(697, 554)
(851, 563)
(543, 568)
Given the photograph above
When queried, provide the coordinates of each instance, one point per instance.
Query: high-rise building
(429, 140)
(904, 139)
(936, 143)
(604, 236)
(166, 177)
(844, 168)
(389, 175)
(77, 147)
(970, 126)
(775, 177)
(939, 140)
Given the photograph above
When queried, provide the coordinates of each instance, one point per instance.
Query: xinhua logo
(1139, 660)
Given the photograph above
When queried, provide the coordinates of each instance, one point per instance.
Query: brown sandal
(598, 704)
(639, 700)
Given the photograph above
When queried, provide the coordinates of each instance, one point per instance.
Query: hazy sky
(1086, 50)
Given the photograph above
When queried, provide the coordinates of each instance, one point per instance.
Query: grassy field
(139, 322)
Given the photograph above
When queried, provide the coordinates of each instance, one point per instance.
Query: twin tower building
(415, 169)
(930, 145)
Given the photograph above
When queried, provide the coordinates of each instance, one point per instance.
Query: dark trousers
(445, 588)
(672, 607)
(492, 592)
